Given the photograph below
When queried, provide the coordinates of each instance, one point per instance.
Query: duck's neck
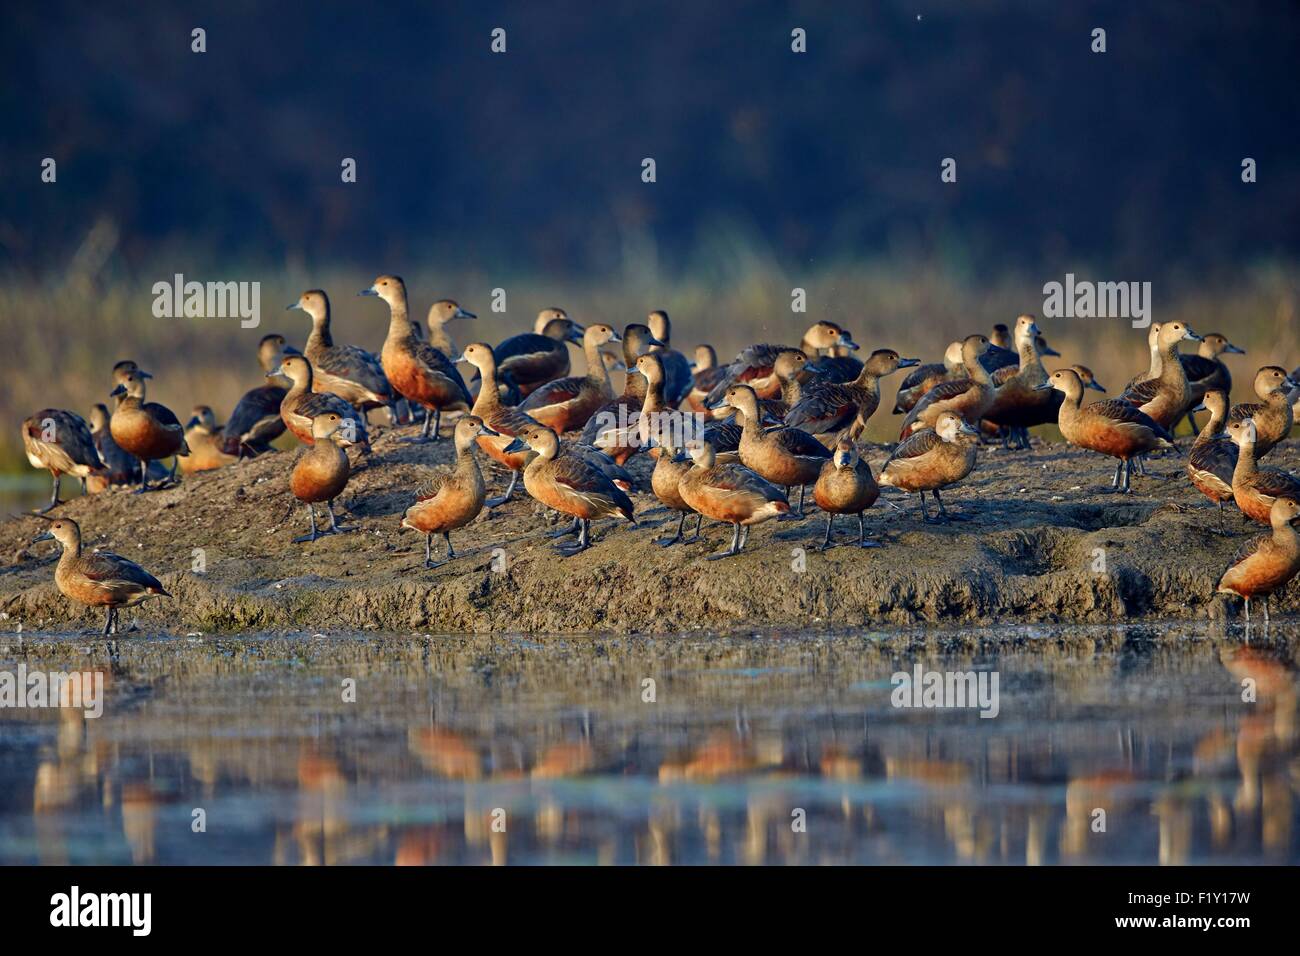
(300, 386)
(488, 396)
(807, 347)
(1285, 537)
(977, 372)
(320, 333)
(440, 340)
(1157, 362)
(1213, 428)
(791, 390)
(596, 370)
(1171, 370)
(1246, 467)
(399, 321)
(634, 388)
(71, 552)
(466, 465)
(654, 398)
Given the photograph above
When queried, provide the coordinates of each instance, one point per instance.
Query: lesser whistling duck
(147, 430)
(1269, 561)
(416, 370)
(351, 373)
(566, 404)
(838, 365)
(441, 314)
(790, 369)
(784, 455)
(1213, 457)
(203, 437)
(568, 484)
(98, 578)
(321, 472)
(1206, 371)
(1166, 397)
(925, 377)
(671, 465)
(302, 404)
(256, 420)
(969, 397)
(753, 366)
(121, 467)
(453, 497)
(831, 408)
(531, 359)
(61, 442)
(1003, 351)
(1114, 428)
(1154, 363)
(1018, 404)
(608, 427)
(504, 421)
(931, 459)
(706, 374)
(846, 487)
(729, 492)
(1254, 488)
(678, 379)
(1272, 414)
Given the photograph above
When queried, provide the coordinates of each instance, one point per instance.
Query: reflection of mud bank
(1045, 544)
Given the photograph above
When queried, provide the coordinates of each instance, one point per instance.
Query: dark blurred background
(531, 159)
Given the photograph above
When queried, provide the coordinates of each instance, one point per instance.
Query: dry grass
(65, 337)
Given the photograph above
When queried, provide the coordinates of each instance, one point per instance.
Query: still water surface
(755, 750)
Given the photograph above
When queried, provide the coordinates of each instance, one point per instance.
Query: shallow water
(542, 750)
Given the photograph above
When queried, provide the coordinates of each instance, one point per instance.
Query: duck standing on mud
(566, 404)
(931, 459)
(302, 404)
(147, 430)
(1114, 428)
(782, 455)
(351, 373)
(828, 408)
(730, 493)
(1018, 405)
(846, 487)
(98, 578)
(1269, 561)
(1166, 397)
(453, 497)
(1213, 458)
(568, 484)
(612, 426)
(969, 396)
(1254, 488)
(503, 421)
(321, 472)
(61, 442)
(671, 465)
(1272, 414)
(416, 370)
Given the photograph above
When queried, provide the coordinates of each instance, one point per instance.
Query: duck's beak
(1234, 350)
(293, 305)
(615, 337)
(1290, 382)
(515, 447)
(967, 430)
(771, 421)
(484, 430)
(120, 390)
(1189, 334)
(1048, 352)
(370, 291)
(1043, 387)
(908, 363)
(143, 374)
(1198, 408)
(848, 343)
(618, 367)
(651, 340)
(464, 314)
(458, 359)
(1095, 385)
(575, 334)
(43, 536)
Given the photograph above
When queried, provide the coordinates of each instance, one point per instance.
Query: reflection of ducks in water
(445, 752)
(722, 755)
(1109, 790)
(569, 759)
(140, 821)
(319, 824)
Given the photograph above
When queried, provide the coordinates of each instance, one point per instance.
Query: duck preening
(61, 442)
(846, 487)
(204, 441)
(1269, 561)
(568, 484)
(1116, 428)
(98, 578)
(321, 473)
(415, 369)
(147, 430)
(932, 459)
(969, 397)
(453, 497)
(729, 492)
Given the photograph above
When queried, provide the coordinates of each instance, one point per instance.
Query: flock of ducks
(731, 442)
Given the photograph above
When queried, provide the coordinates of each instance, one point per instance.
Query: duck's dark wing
(71, 433)
(836, 369)
(915, 445)
(753, 362)
(321, 403)
(1217, 457)
(723, 435)
(997, 357)
(1198, 367)
(828, 408)
(114, 572)
(436, 362)
(1140, 393)
(921, 373)
(1277, 484)
(162, 414)
(356, 365)
(800, 443)
(588, 481)
(553, 393)
(602, 462)
(256, 419)
(678, 380)
(1239, 413)
(1122, 413)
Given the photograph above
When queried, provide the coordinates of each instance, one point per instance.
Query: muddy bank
(1044, 543)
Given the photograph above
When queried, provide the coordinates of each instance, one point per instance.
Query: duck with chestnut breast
(204, 439)
(453, 497)
(416, 370)
(846, 487)
(98, 578)
(351, 373)
(147, 430)
(568, 484)
(671, 464)
(609, 426)
(1003, 375)
(503, 421)
(120, 467)
(754, 365)
(256, 420)
(828, 409)
(677, 370)
(566, 404)
(1254, 488)
(1269, 562)
(932, 459)
(1206, 371)
(1168, 396)
(1114, 428)
(1213, 457)
(706, 374)
(302, 403)
(1018, 403)
(60, 442)
(729, 492)
(783, 455)
(925, 377)
(531, 359)
(1272, 414)
(792, 370)
(321, 472)
(969, 397)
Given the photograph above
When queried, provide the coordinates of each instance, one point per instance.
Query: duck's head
(952, 354)
(1001, 336)
(828, 335)
(885, 361)
(651, 368)
(447, 310)
(295, 368)
(314, 302)
(63, 530)
(480, 355)
(1065, 380)
(661, 327)
(637, 340)
(1171, 333)
(332, 426)
(743, 399)
(1216, 344)
(1027, 330)
(600, 334)
(389, 288)
(98, 418)
(1153, 336)
(951, 427)
(537, 437)
(270, 351)
(468, 429)
(1216, 402)
(706, 357)
(1270, 379)
(555, 323)
(1243, 433)
(202, 418)
(972, 347)
(122, 369)
(1283, 511)
(131, 384)
(701, 452)
(790, 364)
(846, 453)
(1044, 349)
